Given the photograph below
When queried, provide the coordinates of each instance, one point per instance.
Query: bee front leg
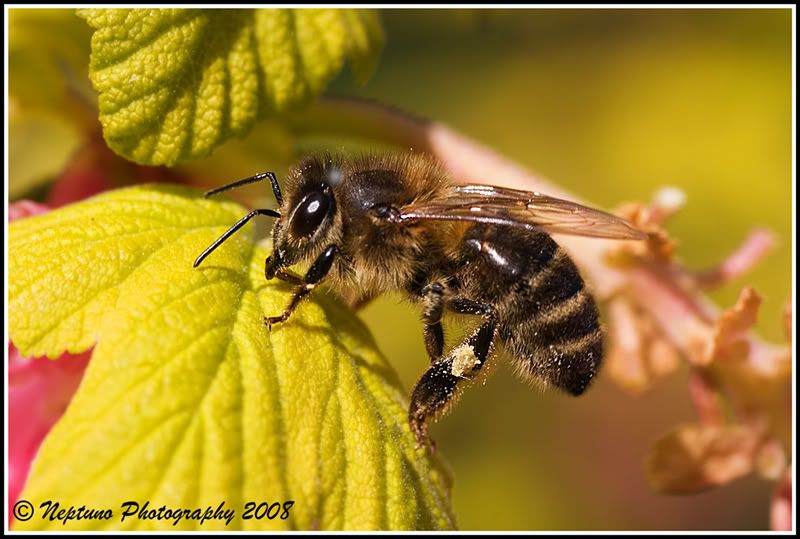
(281, 274)
(433, 301)
(315, 274)
(441, 384)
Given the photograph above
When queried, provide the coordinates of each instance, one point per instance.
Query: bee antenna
(276, 189)
(228, 233)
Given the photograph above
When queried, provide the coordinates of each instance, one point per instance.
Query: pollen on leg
(464, 360)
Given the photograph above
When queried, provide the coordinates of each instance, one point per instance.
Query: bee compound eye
(310, 213)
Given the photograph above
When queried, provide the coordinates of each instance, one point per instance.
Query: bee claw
(270, 321)
(427, 445)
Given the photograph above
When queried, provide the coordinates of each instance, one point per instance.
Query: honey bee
(376, 223)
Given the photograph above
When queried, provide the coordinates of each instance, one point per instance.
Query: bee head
(309, 221)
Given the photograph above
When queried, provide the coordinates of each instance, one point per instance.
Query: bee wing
(522, 209)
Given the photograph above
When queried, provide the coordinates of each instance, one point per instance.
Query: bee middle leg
(439, 386)
(315, 274)
(434, 297)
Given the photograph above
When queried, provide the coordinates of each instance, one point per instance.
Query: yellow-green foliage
(176, 83)
(189, 400)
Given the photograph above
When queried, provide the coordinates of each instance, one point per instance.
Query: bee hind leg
(439, 387)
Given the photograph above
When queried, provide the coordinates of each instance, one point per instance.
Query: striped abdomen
(547, 319)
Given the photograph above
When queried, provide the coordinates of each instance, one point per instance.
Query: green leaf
(176, 83)
(188, 400)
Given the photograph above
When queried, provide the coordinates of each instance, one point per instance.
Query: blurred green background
(611, 104)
